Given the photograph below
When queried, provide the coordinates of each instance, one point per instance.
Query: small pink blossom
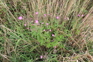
(48, 14)
(57, 17)
(82, 15)
(27, 28)
(50, 30)
(25, 25)
(32, 24)
(42, 23)
(47, 23)
(45, 15)
(36, 21)
(55, 46)
(67, 18)
(36, 13)
(41, 56)
(44, 30)
(53, 35)
(79, 15)
(20, 17)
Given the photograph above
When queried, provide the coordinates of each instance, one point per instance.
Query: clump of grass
(45, 30)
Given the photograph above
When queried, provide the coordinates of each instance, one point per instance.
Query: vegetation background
(46, 31)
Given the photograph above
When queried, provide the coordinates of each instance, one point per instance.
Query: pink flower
(41, 56)
(44, 30)
(57, 17)
(79, 15)
(50, 30)
(32, 24)
(20, 18)
(53, 35)
(82, 15)
(67, 18)
(45, 15)
(48, 14)
(36, 13)
(36, 21)
(55, 46)
(47, 23)
(24, 24)
(42, 23)
(27, 28)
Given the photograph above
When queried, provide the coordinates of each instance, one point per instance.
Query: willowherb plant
(47, 33)
(54, 24)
